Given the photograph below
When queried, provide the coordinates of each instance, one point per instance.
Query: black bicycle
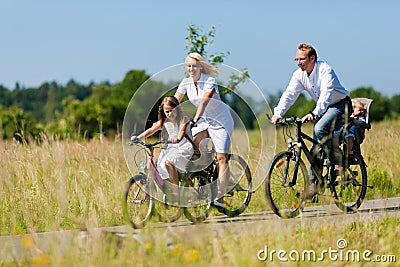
(287, 182)
(199, 186)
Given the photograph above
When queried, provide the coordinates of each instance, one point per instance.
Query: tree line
(76, 110)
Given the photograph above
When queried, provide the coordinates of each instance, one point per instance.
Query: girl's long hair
(170, 101)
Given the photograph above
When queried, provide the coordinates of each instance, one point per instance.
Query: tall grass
(60, 185)
(78, 184)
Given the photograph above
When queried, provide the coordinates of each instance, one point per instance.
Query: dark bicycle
(200, 187)
(287, 182)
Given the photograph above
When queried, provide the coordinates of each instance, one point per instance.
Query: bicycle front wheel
(349, 189)
(137, 204)
(286, 185)
(240, 179)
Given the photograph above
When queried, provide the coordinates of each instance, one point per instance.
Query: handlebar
(192, 123)
(138, 141)
(148, 145)
(290, 121)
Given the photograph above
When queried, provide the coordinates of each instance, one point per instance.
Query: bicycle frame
(302, 146)
(151, 170)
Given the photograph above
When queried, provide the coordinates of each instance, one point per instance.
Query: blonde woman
(213, 117)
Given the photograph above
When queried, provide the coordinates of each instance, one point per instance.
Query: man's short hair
(311, 50)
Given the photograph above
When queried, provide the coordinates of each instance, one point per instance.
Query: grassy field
(77, 185)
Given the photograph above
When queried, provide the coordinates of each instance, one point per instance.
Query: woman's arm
(179, 96)
(203, 104)
(182, 131)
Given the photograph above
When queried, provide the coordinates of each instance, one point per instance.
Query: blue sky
(97, 40)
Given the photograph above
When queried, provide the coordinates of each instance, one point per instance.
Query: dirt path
(20, 247)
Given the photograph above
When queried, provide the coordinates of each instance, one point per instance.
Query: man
(320, 81)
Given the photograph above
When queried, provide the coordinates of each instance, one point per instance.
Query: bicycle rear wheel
(239, 196)
(196, 196)
(137, 204)
(349, 189)
(285, 198)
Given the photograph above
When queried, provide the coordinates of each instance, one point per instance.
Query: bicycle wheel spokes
(137, 203)
(349, 190)
(286, 199)
(196, 195)
(167, 212)
(240, 187)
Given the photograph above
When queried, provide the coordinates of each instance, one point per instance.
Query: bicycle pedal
(314, 198)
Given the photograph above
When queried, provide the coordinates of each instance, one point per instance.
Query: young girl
(173, 125)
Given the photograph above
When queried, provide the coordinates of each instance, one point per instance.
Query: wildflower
(176, 250)
(27, 241)
(148, 245)
(41, 259)
(192, 255)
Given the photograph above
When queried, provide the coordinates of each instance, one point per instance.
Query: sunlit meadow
(63, 185)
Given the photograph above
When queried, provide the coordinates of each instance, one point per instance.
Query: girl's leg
(173, 179)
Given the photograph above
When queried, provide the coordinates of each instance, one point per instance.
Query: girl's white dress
(179, 154)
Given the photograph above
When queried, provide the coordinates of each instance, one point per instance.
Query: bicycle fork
(295, 156)
(142, 183)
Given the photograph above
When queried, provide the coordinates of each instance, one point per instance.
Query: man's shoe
(313, 191)
(339, 170)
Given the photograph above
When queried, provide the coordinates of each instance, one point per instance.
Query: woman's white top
(216, 111)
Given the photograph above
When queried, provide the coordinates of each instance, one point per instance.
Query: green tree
(197, 41)
(380, 108)
(395, 106)
(5, 96)
(15, 123)
(103, 111)
(301, 107)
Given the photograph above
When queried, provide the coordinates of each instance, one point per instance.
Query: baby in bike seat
(356, 126)
(358, 122)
